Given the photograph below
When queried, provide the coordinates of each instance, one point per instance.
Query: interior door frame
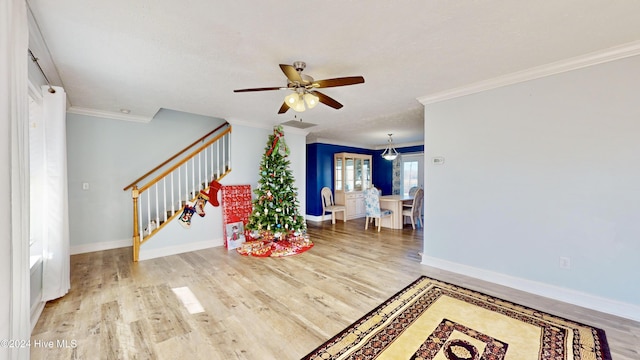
(419, 157)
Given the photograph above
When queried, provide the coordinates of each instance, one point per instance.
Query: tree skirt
(272, 248)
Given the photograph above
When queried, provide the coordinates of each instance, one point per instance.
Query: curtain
(14, 113)
(55, 244)
(396, 175)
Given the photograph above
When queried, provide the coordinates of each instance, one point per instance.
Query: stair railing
(161, 199)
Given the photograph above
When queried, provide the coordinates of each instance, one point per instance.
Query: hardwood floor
(270, 308)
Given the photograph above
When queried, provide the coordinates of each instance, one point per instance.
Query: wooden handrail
(178, 164)
(173, 157)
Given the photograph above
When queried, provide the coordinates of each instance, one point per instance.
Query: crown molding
(579, 62)
(109, 114)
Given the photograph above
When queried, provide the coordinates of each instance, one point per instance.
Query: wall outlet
(85, 186)
(565, 262)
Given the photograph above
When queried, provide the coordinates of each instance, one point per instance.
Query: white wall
(536, 171)
(108, 155)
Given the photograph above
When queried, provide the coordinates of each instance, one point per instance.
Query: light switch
(85, 186)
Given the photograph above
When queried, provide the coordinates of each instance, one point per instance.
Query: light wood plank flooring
(273, 308)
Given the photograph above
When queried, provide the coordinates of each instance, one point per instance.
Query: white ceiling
(190, 55)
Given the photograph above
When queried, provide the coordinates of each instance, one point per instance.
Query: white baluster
(224, 154)
(173, 205)
(148, 208)
(193, 177)
(164, 201)
(157, 217)
(229, 149)
(206, 165)
(199, 173)
(186, 181)
(217, 159)
(179, 188)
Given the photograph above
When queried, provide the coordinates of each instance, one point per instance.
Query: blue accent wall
(383, 169)
(320, 170)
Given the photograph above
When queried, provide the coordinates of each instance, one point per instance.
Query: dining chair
(415, 211)
(412, 193)
(372, 208)
(329, 206)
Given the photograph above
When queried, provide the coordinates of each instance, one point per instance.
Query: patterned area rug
(430, 319)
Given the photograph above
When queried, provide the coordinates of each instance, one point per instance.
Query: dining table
(394, 203)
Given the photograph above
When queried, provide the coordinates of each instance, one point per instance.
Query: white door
(411, 172)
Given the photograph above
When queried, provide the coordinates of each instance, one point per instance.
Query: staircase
(176, 181)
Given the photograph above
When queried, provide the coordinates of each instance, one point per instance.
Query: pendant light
(390, 153)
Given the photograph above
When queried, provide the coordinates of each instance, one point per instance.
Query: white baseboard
(609, 306)
(36, 311)
(317, 218)
(107, 245)
(146, 254)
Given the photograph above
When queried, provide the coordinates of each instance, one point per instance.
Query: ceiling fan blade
(260, 89)
(350, 80)
(292, 74)
(283, 108)
(327, 100)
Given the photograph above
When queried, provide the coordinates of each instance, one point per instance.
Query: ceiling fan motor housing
(299, 65)
(306, 79)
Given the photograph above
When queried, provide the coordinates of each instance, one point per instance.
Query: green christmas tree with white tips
(275, 208)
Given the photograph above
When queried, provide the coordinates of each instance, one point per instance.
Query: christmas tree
(275, 208)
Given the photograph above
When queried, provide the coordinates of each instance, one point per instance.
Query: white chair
(412, 193)
(329, 206)
(415, 211)
(372, 208)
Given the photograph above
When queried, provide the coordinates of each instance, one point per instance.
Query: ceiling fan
(304, 88)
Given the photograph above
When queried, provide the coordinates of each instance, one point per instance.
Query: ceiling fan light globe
(389, 156)
(291, 99)
(295, 102)
(299, 107)
(311, 100)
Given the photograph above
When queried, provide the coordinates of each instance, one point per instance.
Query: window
(409, 176)
(411, 172)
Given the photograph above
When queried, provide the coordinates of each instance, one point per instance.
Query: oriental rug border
(452, 337)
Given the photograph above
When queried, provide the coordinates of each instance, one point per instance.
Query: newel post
(136, 231)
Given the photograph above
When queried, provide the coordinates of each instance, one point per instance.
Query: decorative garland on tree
(275, 208)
